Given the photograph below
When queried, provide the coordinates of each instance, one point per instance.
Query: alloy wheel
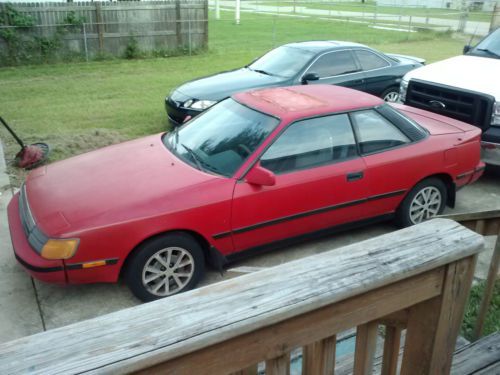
(392, 97)
(426, 204)
(168, 271)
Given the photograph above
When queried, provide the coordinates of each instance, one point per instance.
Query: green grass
(492, 322)
(80, 106)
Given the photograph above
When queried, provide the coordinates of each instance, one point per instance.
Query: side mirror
(467, 48)
(260, 176)
(309, 77)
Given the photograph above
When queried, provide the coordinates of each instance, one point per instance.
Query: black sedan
(338, 63)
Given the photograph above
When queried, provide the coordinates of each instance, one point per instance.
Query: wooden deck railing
(418, 278)
(486, 223)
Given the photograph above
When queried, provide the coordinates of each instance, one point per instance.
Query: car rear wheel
(425, 201)
(391, 94)
(165, 266)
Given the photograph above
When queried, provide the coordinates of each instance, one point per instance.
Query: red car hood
(434, 123)
(115, 184)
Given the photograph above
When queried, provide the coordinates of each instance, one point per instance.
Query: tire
(426, 200)
(154, 271)
(391, 94)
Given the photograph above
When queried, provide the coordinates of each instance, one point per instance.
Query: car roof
(295, 102)
(323, 45)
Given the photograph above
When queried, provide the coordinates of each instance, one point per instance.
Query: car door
(393, 160)
(378, 73)
(338, 68)
(318, 184)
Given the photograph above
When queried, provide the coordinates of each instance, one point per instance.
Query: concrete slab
(19, 311)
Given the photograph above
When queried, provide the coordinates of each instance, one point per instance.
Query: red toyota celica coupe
(255, 170)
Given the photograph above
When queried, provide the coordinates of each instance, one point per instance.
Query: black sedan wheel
(391, 94)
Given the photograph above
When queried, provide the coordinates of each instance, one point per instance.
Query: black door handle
(354, 176)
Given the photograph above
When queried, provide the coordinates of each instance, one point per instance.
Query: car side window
(311, 143)
(370, 60)
(333, 64)
(376, 133)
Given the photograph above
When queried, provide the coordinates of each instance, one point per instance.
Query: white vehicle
(466, 88)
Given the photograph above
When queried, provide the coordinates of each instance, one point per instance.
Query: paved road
(28, 306)
(471, 27)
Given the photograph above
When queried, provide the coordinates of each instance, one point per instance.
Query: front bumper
(490, 153)
(51, 271)
(176, 113)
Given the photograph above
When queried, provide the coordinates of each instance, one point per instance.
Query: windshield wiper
(195, 157)
(262, 72)
(488, 51)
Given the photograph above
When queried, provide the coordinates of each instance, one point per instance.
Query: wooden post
(433, 325)
(488, 289)
(366, 342)
(318, 358)
(391, 350)
(279, 365)
(205, 28)
(252, 370)
(100, 26)
(178, 24)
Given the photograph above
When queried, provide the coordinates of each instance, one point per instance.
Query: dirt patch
(62, 146)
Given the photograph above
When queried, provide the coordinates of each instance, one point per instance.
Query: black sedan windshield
(222, 138)
(490, 44)
(283, 61)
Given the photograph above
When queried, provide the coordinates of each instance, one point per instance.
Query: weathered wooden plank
(477, 355)
(366, 341)
(123, 341)
(391, 350)
(479, 215)
(274, 341)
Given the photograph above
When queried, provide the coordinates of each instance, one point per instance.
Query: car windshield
(282, 61)
(491, 44)
(222, 138)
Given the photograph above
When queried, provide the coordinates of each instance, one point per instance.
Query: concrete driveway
(28, 306)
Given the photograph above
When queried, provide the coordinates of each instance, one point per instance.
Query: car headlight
(199, 104)
(403, 87)
(59, 248)
(495, 116)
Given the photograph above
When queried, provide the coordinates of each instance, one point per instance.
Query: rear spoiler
(396, 56)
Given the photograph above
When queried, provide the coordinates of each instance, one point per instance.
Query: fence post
(495, 19)
(100, 26)
(178, 23)
(463, 21)
(217, 9)
(85, 42)
(205, 28)
(189, 35)
(274, 31)
(237, 12)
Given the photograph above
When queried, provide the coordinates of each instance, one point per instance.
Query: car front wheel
(165, 266)
(425, 201)
(391, 95)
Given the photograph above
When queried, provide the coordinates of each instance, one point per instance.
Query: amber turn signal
(60, 248)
